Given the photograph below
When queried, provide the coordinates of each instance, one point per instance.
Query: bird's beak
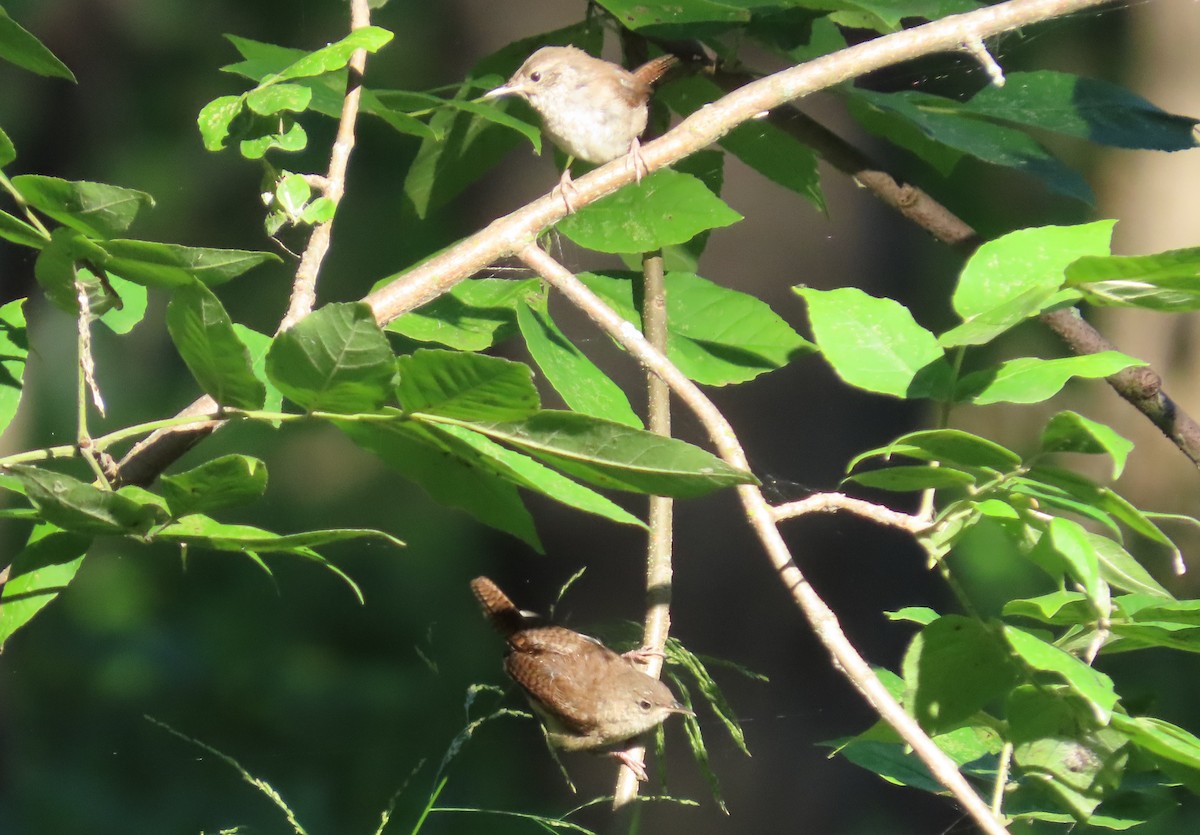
(678, 708)
(502, 90)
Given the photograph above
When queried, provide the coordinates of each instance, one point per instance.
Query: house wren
(593, 110)
(587, 696)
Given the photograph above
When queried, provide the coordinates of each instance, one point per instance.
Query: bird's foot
(566, 189)
(639, 770)
(642, 655)
(635, 159)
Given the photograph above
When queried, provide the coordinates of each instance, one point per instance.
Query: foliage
(1018, 701)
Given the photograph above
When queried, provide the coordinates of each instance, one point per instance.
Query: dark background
(339, 705)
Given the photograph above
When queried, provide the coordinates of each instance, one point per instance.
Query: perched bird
(592, 109)
(587, 696)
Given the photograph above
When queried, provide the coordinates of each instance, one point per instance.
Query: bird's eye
(535, 77)
(644, 704)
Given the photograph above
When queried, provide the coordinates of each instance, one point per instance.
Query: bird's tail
(655, 68)
(501, 611)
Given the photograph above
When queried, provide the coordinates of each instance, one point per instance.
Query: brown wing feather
(545, 663)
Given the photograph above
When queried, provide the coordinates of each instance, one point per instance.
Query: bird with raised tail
(588, 697)
(594, 110)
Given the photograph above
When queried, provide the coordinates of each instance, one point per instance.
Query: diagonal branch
(510, 234)
(762, 519)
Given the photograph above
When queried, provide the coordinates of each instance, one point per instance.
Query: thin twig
(659, 543)
(87, 382)
(143, 463)
(820, 617)
(304, 286)
(830, 502)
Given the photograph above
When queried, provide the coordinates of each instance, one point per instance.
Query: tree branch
(761, 517)
(1140, 386)
(510, 234)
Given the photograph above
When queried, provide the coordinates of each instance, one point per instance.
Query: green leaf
(215, 120)
(196, 528)
(887, 15)
(396, 101)
(1093, 686)
(1150, 610)
(943, 121)
(1027, 261)
(1072, 432)
(227, 481)
(264, 61)
(668, 207)
(1032, 380)
(40, 572)
(279, 97)
(613, 455)
(171, 265)
(952, 669)
(81, 508)
(474, 315)
(769, 150)
(95, 209)
(583, 386)
(426, 459)
(910, 478)
(709, 168)
(1061, 608)
(336, 55)
(1066, 549)
(1078, 494)
(58, 269)
(292, 194)
(14, 351)
(463, 147)
(1118, 568)
(204, 336)
(1084, 107)
(466, 386)
(920, 615)
(480, 451)
(258, 344)
(281, 133)
(1165, 281)
(875, 344)
(8, 151)
(986, 326)
(20, 232)
(1160, 738)
(655, 17)
(320, 210)
(1076, 762)
(201, 531)
(948, 446)
(19, 47)
(334, 360)
(716, 336)
(123, 319)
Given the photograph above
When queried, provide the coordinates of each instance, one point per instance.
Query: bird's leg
(566, 187)
(639, 770)
(635, 159)
(642, 655)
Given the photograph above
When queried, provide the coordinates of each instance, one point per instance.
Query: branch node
(975, 47)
